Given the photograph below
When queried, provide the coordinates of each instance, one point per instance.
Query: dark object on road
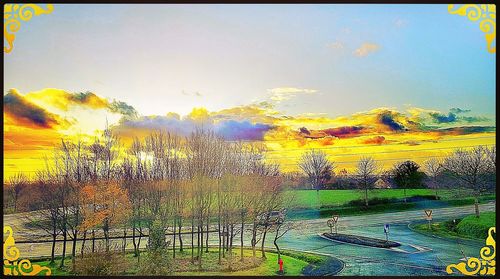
(361, 240)
(272, 217)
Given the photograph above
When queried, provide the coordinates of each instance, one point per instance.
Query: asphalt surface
(419, 255)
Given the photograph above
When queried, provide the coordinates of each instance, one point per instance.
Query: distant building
(382, 184)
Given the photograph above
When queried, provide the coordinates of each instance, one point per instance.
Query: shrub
(155, 262)
(471, 226)
(101, 263)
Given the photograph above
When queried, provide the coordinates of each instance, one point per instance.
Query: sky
(370, 78)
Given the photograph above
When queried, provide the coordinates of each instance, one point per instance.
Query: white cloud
(336, 45)
(285, 93)
(365, 49)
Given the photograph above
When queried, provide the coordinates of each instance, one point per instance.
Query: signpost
(333, 223)
(428, 213)
(335, 219)
(330, 224)
(386, 231)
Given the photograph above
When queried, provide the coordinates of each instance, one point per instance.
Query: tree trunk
(404, 193)
(192, 239)
(180, 235)
(65, 237)
(133, 241)
(124, 239)
(366, 196)
(93, 240)
(53, 248)
(476, 206)
(173, 246)
(277, 248)
(83, 242)
(73, 249)
(241, 239)
(206, 239)
(220, 239)
(263, 242)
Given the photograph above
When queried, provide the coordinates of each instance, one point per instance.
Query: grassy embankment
(468, 227)
(295, 262)
(351, 202)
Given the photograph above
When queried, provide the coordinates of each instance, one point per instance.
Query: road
(359, 260)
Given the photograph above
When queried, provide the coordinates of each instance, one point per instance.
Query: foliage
(406, 175)
(101, 263)
(155, 262)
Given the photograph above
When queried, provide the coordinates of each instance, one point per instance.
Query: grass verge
(469, 227)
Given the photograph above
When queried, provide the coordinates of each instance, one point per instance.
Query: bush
(155, 262)
(471, 226)
(101, 263)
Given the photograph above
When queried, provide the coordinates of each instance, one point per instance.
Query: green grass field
(334, 198)
(468, 227)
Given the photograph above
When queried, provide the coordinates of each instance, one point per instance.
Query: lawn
(335, 198)
(468, 227)
(294, 263)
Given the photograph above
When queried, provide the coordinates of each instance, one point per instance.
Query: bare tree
(315, 165)
(434, 167)
(472, 168)
(366, 174)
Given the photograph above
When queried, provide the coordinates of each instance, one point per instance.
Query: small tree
(366, 174)
(406, 175)
(317, 167)
(472, 167)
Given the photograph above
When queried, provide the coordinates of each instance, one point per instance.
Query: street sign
(335, 218)
(330, 223)
(386, 231)
(428, 213)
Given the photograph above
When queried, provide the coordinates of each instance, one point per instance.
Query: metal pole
(335, 227)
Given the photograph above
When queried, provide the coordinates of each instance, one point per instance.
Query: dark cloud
(344, 132)
(442, 118)
(122, 108)
(304, 130)
(26, 113)
(229, 129)
(468, 130)
(453, 117)
(387, 118)
(235, 130)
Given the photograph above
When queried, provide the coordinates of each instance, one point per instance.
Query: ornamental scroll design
(14, 14)
(486, 15)
(474, 266)
(11, 254)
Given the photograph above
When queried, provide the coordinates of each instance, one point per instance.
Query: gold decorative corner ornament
(13, 15)
(11, 266)
(485, 14)
(484, 266)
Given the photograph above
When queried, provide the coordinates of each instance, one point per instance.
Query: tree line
(199, 185)
(473, 169)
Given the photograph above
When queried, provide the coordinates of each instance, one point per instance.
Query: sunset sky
(392, 81)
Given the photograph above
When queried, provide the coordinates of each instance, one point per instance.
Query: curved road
(359, 260)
